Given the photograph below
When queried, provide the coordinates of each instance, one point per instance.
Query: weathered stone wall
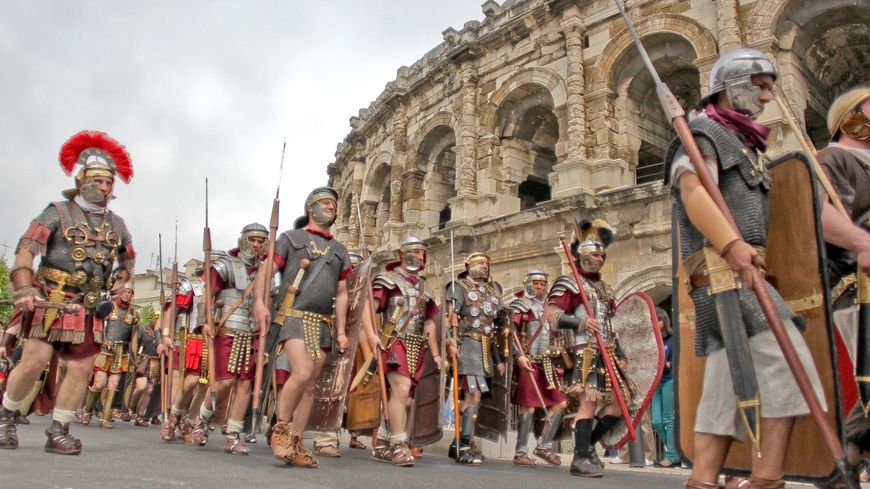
(542, 112)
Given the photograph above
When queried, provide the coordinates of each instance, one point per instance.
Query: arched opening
(433, 181)
(375, 201)
(832, 40)
(646, 129)
(529, 130)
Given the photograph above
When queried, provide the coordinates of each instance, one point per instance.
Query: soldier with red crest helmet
(409, 311)
(79, 241)
(537, 375)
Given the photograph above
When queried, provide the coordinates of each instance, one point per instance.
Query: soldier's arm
(842, 232)
(341, 315)
(710, 221)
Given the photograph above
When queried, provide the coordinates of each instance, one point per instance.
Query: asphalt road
(129, 457)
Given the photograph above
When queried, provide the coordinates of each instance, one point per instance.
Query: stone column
(394, 228)
(729, 28)
(463, 206)
(568, 175)
(607, 167)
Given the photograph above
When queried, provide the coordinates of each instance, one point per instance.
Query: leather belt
(296, 313)
(229, 331)
(474, 336)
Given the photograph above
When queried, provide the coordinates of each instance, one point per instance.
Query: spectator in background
(662, 407)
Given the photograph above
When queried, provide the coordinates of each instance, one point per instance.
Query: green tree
(5, 311)
(145, 314)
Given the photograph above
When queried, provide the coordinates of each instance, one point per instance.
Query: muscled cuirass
(480, 306)
(80, 256)
(120, 323)
(535, 333)
(400, 306)
(236, 279)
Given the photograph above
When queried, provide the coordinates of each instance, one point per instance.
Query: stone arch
(694, 32)
(431, 175)
(442, 118)
(762, 19)
(544, 77)
(376, 195)
(822, 49)
(653, 278)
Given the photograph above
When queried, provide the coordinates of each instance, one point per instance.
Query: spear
(163, 375)
(267, 297)
(678, 119)
(173, 314)
(209, 298)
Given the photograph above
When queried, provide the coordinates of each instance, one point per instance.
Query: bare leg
(776, 432)
(35, 356)
(710, 453)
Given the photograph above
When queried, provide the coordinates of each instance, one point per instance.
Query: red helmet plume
(85, 144)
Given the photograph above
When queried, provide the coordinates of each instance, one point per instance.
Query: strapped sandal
(60, 441)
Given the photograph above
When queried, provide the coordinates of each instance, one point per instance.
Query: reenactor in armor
(147, 368)
(79, 240)
(408, 314)
(311, 310)
(114, 359)
(733, 146)
(191, 390)
(588, 381)
(846, 161)
(232, 282)
(477, 305)
(539, 367)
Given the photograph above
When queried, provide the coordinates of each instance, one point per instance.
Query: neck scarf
(750, 132)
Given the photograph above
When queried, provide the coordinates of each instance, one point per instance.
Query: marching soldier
(147, 367)
(477, 304)
(190, 317)
(537, 379)
(408, 311)
(311, 310)
(846, 161)
(114, 359)
(732, 144)
(232, 280)
(79, 240)
(588, 382)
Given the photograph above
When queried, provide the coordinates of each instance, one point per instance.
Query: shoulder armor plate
(562, 284)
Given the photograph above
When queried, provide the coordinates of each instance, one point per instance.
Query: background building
(543, 111)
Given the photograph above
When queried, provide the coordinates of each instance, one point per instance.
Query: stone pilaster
(397, 165)
(357, 168)
(568, 176)
(729, 27)
(466, 168)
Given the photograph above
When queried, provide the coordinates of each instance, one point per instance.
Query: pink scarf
(750, 132)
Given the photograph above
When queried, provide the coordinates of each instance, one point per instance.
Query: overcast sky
(196, 89)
